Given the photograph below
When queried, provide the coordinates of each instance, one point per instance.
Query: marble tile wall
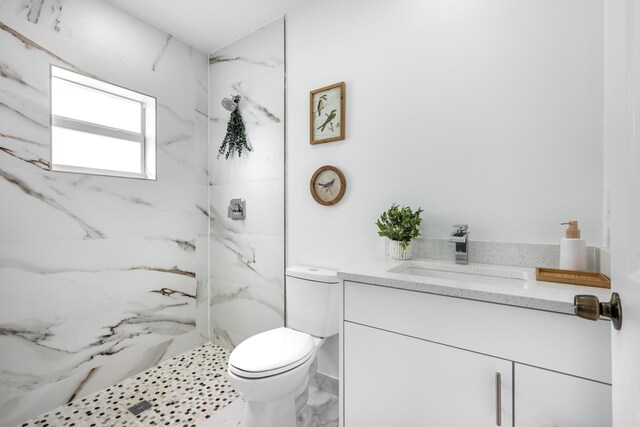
(100, 277)
(247, 257)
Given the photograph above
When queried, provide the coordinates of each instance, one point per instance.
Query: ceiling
(208, 24)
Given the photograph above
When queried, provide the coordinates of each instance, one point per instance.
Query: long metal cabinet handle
(498, 399)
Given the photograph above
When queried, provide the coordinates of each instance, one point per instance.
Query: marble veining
(238, 88)
(30, 44)
(20, 139)
(60, 276)
(149, 208)
(100, 277)
(36, 11)
(39, 163)
(77, 340)
(244, 252)
(161, 54)
(247, 257)
(269, 63)
(24, 108)
(91, 232)
(227, 236)
(122, 367)
(187, 123)
(7, 73)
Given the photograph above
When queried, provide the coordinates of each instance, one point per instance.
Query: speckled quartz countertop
(515, 286)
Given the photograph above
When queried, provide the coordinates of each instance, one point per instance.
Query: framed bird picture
(327, 114)
(328, 185)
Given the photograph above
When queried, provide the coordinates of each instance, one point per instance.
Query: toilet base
(277, 413)
(303, 412)
(291, 410)
(285, 412)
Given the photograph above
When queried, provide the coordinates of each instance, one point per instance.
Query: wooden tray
(571, 277)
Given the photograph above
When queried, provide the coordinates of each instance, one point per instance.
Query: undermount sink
(465, 274)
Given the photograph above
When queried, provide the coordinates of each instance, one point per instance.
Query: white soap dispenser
(573, 249)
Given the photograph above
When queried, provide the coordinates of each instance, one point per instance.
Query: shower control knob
(237, 209)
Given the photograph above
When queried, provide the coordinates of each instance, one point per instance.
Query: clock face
(328, 185)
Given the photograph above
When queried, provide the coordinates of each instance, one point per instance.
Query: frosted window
(82, 149)
(94, 106)
(100, 128)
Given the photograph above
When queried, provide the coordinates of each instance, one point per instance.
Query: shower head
(230, 104)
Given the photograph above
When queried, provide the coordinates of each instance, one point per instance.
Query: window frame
(147, 137)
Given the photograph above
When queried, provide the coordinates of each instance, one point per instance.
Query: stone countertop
(554, 297)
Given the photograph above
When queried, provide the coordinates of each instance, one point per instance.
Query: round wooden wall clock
(328, 185)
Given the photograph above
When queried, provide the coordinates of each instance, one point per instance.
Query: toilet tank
(312, 301)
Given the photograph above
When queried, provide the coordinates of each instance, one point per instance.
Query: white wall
(487, 113)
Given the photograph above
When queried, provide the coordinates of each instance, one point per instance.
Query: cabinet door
(394, 380)
(550, 399)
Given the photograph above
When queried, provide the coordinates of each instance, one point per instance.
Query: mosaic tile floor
(183, 391)
(189, 390)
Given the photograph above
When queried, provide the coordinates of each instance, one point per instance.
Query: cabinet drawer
(554, 341)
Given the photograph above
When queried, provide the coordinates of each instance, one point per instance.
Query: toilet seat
(271, 353)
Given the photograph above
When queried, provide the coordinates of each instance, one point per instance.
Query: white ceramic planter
(396, 251)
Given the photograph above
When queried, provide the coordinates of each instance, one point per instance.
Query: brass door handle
(590, 307)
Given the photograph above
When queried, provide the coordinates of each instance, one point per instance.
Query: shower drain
(140, 407)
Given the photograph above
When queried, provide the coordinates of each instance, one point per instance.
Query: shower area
(102, 278)
(247, 257)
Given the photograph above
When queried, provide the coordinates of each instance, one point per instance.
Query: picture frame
(327, 114)
(327, 185)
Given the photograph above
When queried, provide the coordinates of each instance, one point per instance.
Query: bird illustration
(328, 186)
(322, 102)
(330, 117)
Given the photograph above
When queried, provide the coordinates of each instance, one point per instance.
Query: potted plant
(400, 225)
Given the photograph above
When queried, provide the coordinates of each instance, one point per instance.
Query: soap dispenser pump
(573, 249)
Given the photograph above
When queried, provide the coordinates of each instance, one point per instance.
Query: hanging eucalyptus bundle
(236, 139)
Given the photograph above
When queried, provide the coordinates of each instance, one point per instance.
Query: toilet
(271, 370)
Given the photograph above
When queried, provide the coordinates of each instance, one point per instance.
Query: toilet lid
(271, 352)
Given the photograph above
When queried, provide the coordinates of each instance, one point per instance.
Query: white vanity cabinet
(395, 380)
(549, 399)
(418, 359)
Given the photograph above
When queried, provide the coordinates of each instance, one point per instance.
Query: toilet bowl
(271, 370)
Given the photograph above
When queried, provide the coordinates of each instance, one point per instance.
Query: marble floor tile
(324, 408)
(323, 405)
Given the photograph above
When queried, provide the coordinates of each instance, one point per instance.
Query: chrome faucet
(461, 238)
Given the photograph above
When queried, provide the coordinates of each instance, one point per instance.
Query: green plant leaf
(400, 223)
(235, 141)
